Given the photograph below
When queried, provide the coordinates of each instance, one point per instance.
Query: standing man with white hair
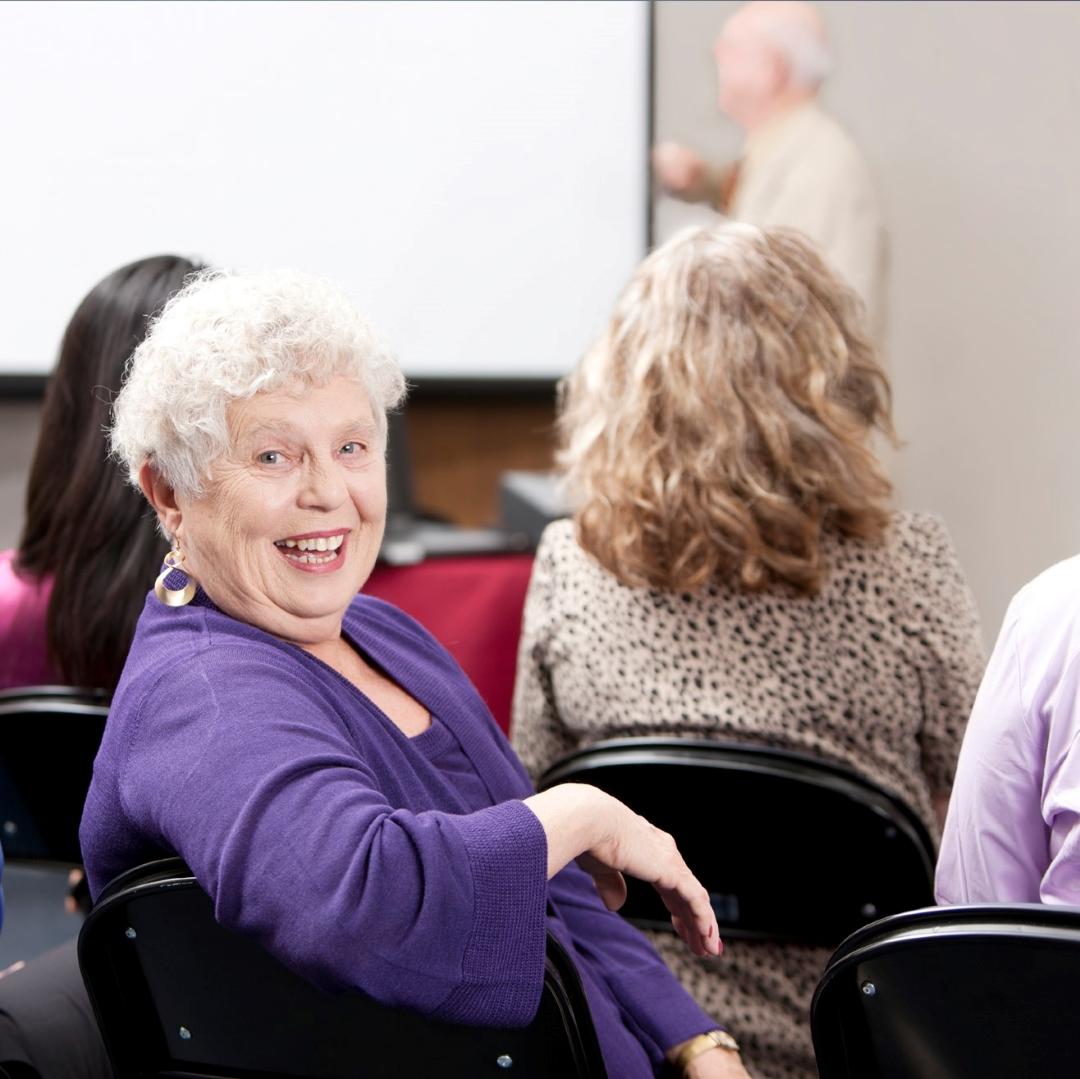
(799, 167)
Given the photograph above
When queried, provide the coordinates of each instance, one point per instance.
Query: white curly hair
(226, 337)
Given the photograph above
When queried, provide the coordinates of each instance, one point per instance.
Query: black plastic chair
(49, 736)
(987, 992)
(790, 847)
(175, 994)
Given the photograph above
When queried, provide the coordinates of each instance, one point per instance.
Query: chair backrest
(790, 847)
(985, 992)
(176, 994)
(49, 736)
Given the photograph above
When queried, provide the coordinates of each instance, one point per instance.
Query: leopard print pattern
(877, 672)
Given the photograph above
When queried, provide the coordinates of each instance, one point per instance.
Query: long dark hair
(85, 526)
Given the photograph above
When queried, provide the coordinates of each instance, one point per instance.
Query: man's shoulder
(824, 126)
(1049, 604)
(831, 146)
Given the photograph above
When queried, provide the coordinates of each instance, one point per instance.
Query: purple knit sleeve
(508, 935)
(290, 832)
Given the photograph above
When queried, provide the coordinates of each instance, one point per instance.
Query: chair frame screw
(869, 989)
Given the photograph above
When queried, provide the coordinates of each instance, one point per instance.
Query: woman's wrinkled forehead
(303, 410)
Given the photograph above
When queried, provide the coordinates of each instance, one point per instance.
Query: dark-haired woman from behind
(69, 599)
(72, 591)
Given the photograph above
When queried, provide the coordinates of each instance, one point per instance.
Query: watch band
(713, 1039)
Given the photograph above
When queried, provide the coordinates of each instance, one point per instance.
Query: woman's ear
(162, 497)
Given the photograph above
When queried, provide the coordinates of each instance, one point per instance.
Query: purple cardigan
(317, 829)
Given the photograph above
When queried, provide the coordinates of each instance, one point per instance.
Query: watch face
(713, 1039)
(724, 1039)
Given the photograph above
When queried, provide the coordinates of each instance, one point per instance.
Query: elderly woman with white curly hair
(319, 761)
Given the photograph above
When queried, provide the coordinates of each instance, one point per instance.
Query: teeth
(313, 559)
(319, 544)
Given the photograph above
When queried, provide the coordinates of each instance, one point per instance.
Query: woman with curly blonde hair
(734, 568)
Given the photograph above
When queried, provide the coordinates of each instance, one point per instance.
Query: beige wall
(967, 112)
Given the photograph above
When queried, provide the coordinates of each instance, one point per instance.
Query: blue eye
(270, 457)
(352, 449)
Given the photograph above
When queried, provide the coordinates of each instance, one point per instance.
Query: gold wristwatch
(713, 1039)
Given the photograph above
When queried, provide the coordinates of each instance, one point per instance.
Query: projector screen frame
(30, 387)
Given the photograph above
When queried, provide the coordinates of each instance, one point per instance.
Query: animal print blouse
(877, 672)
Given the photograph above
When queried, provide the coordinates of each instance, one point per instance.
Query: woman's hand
(637, 847)
(609, 839)
(717, 1064)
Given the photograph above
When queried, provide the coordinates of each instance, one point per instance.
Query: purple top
(24, 604)
(1013, 830)
(360, 857)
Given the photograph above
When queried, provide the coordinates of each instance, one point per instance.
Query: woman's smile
(315, 552)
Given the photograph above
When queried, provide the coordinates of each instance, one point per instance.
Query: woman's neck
(403, 710)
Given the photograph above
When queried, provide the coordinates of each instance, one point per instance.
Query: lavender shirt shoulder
(318, 829)
(1013, 830)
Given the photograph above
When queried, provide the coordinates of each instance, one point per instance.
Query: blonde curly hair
(722, 422)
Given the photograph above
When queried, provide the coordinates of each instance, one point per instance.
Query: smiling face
(293, 517)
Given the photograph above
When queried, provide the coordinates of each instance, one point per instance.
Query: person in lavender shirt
(319, 761)
(1012, 834)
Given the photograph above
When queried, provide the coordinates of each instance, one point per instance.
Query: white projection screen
(474, 174)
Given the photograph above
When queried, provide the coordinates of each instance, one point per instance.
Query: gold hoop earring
(174, 597)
